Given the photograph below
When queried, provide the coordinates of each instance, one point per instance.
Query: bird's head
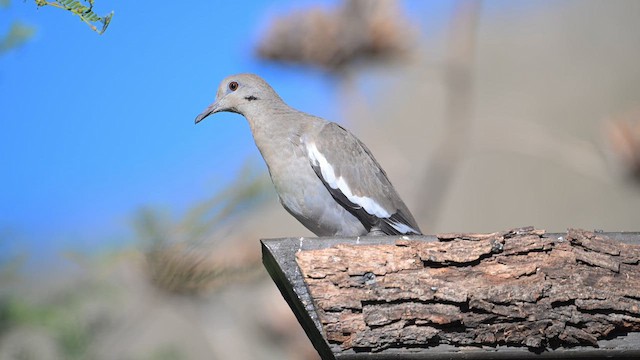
(238, 94)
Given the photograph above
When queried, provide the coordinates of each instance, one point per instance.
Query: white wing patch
(403, 228)
(339, 183)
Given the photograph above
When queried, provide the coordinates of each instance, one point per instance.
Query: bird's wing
(356, 180)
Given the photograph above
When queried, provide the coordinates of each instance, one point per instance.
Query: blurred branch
(358, 30)
(19, 33)
(623, 136)
(537, 141)
(85, 12)
(459, 96)
(208, 217)
(245, 193)
(179, 259)
(181, 269)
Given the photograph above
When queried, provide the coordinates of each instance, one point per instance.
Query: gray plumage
(324, 176)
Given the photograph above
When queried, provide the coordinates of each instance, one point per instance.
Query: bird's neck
(275, 122)
(277, 132)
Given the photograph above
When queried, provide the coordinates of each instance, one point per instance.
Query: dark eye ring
(233, 86)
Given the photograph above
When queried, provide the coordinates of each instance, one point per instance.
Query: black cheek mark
(251, 98)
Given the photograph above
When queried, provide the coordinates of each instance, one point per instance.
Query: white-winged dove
(324, 176)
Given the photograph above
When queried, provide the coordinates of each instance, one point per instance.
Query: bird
(324, 175)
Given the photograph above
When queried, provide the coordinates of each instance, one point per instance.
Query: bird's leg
(375, 231)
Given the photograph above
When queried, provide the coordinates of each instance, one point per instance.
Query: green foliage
(166, 352)
(85, 12)
(18, 34)
(70, 333)
(62, 315)
(11, 264)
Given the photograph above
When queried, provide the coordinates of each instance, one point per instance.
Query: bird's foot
(376, 232)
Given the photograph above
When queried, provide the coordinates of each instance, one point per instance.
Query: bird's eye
(233, 86)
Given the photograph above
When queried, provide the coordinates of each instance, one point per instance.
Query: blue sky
(94, 127)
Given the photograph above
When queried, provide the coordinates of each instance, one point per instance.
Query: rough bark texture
(516, 287)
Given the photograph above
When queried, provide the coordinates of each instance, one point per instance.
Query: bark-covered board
(518, 289)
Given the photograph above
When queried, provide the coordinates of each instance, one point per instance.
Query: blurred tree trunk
(459, 109)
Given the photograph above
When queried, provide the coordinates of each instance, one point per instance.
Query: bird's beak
(212, 109)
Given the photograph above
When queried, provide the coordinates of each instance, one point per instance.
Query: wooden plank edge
(278, 257)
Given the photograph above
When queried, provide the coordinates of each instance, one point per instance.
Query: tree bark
(516, 288)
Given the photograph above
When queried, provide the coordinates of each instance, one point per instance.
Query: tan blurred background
(514, 114)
